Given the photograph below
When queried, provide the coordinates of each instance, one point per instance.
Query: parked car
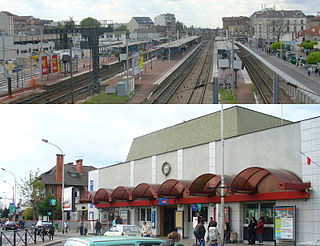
(113, 241)
(43, 227)
(124, 230)
(11, 225)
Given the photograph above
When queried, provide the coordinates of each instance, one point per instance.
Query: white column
(131, 173)
(180, 164)
(212, 157)
(154, 169)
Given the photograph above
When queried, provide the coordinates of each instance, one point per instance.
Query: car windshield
(131, 229)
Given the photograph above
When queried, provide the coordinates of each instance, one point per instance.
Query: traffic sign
(199, 207)
(53, 202)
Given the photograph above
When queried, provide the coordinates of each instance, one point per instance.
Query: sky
(199, 13)
(101, 135)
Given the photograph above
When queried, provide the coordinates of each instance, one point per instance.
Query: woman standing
(259, 229)
(147, 232)
(252, 232)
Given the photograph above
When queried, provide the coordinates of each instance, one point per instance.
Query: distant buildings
(140, 23)
(237, 26)
(166, 20)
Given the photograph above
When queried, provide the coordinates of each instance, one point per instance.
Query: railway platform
(289, 72)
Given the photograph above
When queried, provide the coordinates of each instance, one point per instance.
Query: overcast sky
(200, 13)
(101, 135)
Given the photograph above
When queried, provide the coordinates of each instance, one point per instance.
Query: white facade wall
(277, 148)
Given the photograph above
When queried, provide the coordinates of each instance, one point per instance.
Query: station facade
(172, 176)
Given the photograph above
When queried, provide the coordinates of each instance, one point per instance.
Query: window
(288, 22)
(145, 214)
(258, 210)
(288, 29)
(301, 22)
(53, 191)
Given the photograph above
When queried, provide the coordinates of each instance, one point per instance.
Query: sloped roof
(279, 14)
(143, 20)
(71, 177)
(205, 129)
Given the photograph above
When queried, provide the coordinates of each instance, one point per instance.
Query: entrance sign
(285, 217)
(194, 207)
(163, 201)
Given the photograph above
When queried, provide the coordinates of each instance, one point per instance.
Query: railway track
(62, 92)
(261, 80)
(183, 84)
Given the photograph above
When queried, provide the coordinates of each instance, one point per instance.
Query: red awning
(87, 197)
(207, 184)
(249, 179)
(122, 193)
(145, 190)
(173, 188)
(103, 195)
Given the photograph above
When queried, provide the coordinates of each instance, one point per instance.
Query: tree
(27, 214)
(90, 22)
(30, 190)
(180, 27)
(308, 44)
(313, 58)
(122, 28)
(276, 46)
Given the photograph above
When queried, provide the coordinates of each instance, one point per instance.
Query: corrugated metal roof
(201, 130)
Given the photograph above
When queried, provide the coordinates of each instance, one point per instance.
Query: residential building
(140, 23)
(6, 23)
(272, 25)
(167, 20)
(170, 171)
(236, 25)
(75, 182)
(312, 33)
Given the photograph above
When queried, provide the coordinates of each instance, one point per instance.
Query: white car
(124, 230)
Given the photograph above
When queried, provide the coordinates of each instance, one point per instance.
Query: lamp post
(62, 192)
(15, 184)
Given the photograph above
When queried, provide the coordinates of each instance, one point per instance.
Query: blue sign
(153, 221)
(163, 201)
(194, 207)
(91, 205)
(91, 185)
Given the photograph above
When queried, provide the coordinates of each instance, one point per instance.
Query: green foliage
(122, 28)
(180, 26)
(4, 212)
(107, 99)
(67, 24)
(90, 22)
(313, 58)
(276, 46)
(229, 99)
(30, 189)
(308, 44)
(27, 214)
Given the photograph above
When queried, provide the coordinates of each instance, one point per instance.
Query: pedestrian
(172, 238)
(210, 223)
(252, 232)
(259, 229)
(98, 228)
(200, 232)
(66, 226)
(146, 230)
(227, 232)
(85, 227)
(309, 71)
(316, 72)
(81, 228)
(114, 222)
(213, 237)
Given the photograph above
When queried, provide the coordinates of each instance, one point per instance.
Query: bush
(308, 44)
(276, 46)
(313, 58)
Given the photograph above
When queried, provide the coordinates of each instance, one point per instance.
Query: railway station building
(172, 176)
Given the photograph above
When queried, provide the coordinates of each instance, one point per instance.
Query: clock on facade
(166, 168)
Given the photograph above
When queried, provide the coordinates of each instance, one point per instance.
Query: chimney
(79, 166)
(59, 168)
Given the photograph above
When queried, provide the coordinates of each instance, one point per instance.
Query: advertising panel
(54, 63)
(284, 222)
(141, 62)
(124, 215)
(44, 65)
(68, 201)
(135, 63)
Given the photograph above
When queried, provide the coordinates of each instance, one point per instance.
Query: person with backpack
(199, 232)
(213, 237)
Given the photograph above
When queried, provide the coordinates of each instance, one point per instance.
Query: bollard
(26, 237)
(9, 86)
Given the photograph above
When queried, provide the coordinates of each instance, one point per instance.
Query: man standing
(98, 228)
(202, 232)
(210, 223)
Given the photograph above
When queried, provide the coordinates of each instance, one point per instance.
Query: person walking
(172, 238)
(213, 237)
(85, 227)
(146, 230)
(252, 232)
(98, 228)
(260, 227)
(201, 232)
(316, 71)
(309, 71)
(66, 226)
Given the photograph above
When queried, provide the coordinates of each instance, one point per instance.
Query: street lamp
(15, 184)
(62, 192)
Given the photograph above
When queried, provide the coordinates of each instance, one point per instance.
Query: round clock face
(166, 168)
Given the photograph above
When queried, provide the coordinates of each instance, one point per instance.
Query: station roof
(178, 43)
(225, 45)
(205, 129)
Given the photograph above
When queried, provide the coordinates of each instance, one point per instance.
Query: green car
(108, 241)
